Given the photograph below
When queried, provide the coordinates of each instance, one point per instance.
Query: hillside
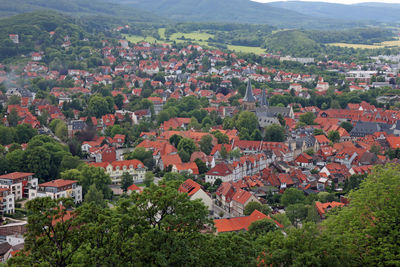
(291, 42)
(378, 12)
(79, 8)
(238, 11)
(33, 30)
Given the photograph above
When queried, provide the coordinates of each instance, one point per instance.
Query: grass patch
(136, 38)
(161, 32)
(395, 43)
(246, 49)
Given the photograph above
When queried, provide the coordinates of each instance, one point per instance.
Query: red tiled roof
(190, 187)
(322, 207)
(240, 223)
(15, 175)
(220, 169)
(58, 183)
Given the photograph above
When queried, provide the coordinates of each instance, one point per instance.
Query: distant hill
(379, 12)
(238, 11)
(100, 8)
(291, 42)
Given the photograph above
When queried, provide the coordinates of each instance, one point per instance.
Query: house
(18, 183)
(195, 191)
(116, 169)
(133, 188)
(240, 200)
(58, 189)
(118, 141)
(188, 167)
(5, 251)
(304, 160)
(322, 140)
(240, 223)
(323, 208)
(8, 201)
(220, 171)
(175, 123)
(103, 154)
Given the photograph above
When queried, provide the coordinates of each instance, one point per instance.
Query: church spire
(249, 97)
(264, 101)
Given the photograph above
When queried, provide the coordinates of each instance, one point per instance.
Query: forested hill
(85, 8)
(364, 11)
(238, 11)
(34, 33)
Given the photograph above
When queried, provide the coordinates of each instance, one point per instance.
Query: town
(253, 137)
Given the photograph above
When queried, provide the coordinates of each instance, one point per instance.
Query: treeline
(162, 227)
(353, 36)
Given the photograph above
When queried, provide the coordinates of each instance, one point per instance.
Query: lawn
(136, 38)
(247, 49)
(374, 46)
(161, 32)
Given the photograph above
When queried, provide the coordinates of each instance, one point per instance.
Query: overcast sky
(340, 1)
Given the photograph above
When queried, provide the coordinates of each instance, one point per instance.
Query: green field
(395, 43)
(200, 38)
(247, 49)
(136, 38)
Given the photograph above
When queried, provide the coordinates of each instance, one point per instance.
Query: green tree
(256, 135)
(222, 138)
(296, 213)
(13, 118)
(274, 133)
(334, 136)
(7, 135)
(61, 131)
(201, 166)
(175, 139)
(247, 120)
(347, 126)
(88, 175)
(262, 227)
(292, 196)
(318, 132)
(256, 206)
(126, 181)
(206, 144)
(307, 118)
(188, 146)
(148, 179)
(144, 156)
(95, 196)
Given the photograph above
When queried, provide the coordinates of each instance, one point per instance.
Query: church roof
(249, 97)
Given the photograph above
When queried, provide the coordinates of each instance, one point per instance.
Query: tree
(52, 235)
(175, 139)
(256, 135)
(95, 196)
(296, 213)
(13, 118)
(347, 126)
(334, 136)
(247, 120)
(88, 175)
(368, 228)
(307, 118)
(7, 135)
(126, 181)
(274, 133)
(188, 146)
(318, 132)
(256, 206)
(148, 179)
(222, 138)
(206, 144)
(292, 196)
(262, 227)
(119, 101)
(61, 130)
(223, 152)
(201, 166)
(24, 133)
(144, 156)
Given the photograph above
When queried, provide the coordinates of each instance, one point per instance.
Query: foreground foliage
(161, 227)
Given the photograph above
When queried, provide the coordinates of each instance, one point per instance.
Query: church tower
(263, 101)
(249, 101)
